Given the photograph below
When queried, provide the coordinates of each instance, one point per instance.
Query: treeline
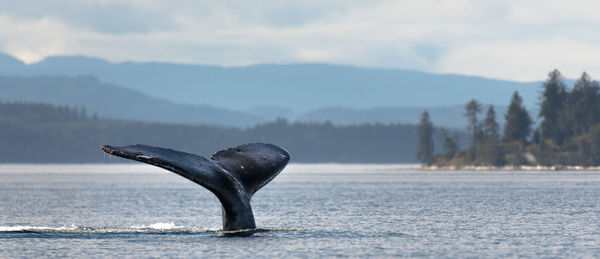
(568, 132)
(40, 133)
(41, 112)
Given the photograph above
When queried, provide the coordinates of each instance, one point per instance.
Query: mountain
(300, 87)
(11, 65)
(110, 101)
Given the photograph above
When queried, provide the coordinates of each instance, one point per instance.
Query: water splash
(159, 227)
(247, 232)
(152, 228)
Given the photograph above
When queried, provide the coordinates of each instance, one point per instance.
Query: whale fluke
(233, 175)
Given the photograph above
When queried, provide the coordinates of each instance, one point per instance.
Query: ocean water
(307, 211)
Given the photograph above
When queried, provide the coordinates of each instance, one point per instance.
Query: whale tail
(233, 175)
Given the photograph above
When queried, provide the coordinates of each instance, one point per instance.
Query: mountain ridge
(110, 101)
(301, 87)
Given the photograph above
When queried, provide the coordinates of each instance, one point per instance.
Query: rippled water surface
(307, 211)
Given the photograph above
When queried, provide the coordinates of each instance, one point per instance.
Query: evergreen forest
(565, 132)
(44, 133)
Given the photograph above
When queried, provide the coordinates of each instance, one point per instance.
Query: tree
(82, 113)
(552, 108)
(518, 121)
(450, 143)
(536, 136)
(425, 134)
(472, 109)
(582, 105)
(592, 155)
(490, 127)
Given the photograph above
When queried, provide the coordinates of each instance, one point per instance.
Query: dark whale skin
(233, 175)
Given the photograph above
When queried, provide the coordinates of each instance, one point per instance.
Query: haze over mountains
(109, 101)
(244, 96)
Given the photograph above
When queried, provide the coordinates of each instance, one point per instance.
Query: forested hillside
(42, 133)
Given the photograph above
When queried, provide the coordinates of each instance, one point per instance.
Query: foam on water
(159, 227)
(33, 228)
(152, 228)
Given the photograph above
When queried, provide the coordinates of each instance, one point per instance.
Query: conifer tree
(552, 108)
(490, 127)
(582, 105)
(472, 109)
(518, 121)
(425, 134)
(536, 136)
(82, 113)
(450, 144)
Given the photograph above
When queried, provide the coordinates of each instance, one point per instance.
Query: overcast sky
(518, 40)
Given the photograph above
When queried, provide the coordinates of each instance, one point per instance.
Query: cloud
(32, 39)
(100, 16)
(506, 39)
(521, 60)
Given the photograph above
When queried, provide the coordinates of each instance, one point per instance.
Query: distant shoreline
(313, 168)
(509, 168)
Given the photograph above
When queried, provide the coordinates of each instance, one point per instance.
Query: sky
(516, 40)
